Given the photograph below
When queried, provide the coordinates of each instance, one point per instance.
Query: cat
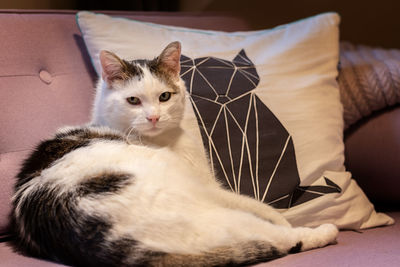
(95, 196)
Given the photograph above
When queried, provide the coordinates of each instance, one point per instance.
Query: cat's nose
(153, 119)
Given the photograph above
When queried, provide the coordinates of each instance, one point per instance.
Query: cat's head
(144, 95)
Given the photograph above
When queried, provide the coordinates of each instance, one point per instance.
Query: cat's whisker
(128, 135)
(132, 134)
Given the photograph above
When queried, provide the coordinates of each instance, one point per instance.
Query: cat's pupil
(133, 100)
(165, 96)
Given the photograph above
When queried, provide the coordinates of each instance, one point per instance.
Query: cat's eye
(133, 100)
(165, 96)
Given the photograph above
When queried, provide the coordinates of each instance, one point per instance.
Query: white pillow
(279, 87)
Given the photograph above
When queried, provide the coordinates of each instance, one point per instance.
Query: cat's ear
(169, 60)
(112, 67)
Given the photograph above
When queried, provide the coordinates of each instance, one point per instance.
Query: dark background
(375, 23)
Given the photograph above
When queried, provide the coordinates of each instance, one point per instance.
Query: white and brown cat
(91, 196)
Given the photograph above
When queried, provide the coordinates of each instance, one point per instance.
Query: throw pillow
(267, 107)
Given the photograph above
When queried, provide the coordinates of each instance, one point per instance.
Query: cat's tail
(238, 255)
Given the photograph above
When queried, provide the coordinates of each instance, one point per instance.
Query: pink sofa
(47, 80)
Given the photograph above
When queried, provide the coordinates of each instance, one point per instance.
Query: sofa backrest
(372, 153)
(47, 81)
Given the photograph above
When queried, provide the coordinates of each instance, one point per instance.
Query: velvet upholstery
(372, 151)
(46, 81)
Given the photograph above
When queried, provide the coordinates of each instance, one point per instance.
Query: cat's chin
(152, 132)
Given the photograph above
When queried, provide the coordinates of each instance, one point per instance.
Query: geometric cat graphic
(251, 152)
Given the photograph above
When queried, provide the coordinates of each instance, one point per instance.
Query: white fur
(168, 208)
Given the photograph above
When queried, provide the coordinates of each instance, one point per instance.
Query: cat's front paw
(321, 236)
(329, 232)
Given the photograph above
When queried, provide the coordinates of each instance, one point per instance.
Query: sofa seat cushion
(372, 247)
(9, 258)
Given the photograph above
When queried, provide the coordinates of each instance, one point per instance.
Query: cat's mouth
(149, 129)
(155, 128)
(152, 130)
